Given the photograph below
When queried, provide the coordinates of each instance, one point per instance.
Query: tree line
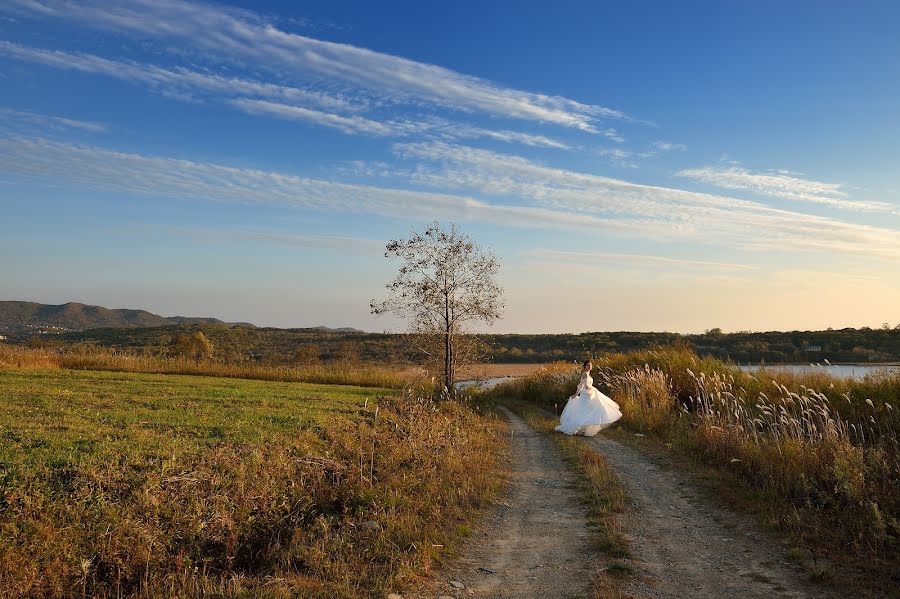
(232, 343)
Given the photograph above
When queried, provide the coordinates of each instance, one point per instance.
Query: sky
(635, 165)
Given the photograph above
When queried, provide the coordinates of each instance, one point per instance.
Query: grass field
(130, 484)
(334, 373)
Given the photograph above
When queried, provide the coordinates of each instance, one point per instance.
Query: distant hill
(31, 316)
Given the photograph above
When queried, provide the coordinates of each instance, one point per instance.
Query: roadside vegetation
(819, 455)
(116, 484)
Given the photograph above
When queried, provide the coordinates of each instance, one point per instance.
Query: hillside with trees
(16, 317)
(235, 343)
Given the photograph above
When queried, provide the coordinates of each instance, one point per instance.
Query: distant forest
(292, 346)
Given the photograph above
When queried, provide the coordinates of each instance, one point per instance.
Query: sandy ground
(685, 546)
(534, 541)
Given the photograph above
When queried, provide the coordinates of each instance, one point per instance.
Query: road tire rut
(687, 547)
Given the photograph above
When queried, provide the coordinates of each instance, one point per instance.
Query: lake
(485, 384)
(856, 371)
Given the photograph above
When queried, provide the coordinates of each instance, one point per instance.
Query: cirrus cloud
(780, 184)
(234, 36)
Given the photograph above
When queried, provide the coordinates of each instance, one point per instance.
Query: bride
(588, 411)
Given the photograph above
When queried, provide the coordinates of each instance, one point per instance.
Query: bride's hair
(586, 364)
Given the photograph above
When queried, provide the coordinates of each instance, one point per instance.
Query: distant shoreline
(863, 364)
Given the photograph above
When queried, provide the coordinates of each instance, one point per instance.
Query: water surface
(856, 371)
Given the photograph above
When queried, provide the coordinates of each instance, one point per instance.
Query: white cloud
(666, 146)
(180, 83)
(669, 213)
(239, 36)
(462, 131)
(780, 184)
(560, 198)
(347, 124)
(570, 257)
(337, 243)
(49, 121)
(269, 99)
(99, 168)
(394, 127)
(623, 158)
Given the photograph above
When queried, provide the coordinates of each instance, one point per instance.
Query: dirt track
(535, 542)
(687, 547)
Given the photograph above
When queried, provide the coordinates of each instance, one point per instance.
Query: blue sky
(639, 165)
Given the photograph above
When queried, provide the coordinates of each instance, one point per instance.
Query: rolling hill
(16, 316)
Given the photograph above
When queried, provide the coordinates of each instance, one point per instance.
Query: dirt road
(535, 541)
(687, 547)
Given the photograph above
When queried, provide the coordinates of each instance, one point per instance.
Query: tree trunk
(448, 382)
(451, 361)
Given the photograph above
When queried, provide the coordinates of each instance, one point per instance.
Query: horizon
(337, 326)
(646, 168)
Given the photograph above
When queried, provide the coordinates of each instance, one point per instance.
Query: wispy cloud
(665, 146)
(49, 121)
(668, 212)
(179, 82)
(559, 198)
(100, 168)
(463, 131)
(622, 157)
(355, 124)
(347, 124)
(272, 100)
(781, 184)
(237, 36)
(570, 257)
(337, 243)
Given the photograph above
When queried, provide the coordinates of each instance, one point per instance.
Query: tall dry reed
(365, 375)
(824, 451)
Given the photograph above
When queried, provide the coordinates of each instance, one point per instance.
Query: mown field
(133, 484)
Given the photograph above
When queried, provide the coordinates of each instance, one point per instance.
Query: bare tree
(307, 355)
(196, 346)
(446, 283)
(348, 352)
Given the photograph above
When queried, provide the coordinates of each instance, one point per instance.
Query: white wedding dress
(588, 411)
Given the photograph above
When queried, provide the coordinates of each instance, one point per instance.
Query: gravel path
(687, 547)
(535, 541)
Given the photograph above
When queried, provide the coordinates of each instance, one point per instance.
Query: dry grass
(546, 386)
(491, 370)
(605, 497)
(103, 359)
(141, 485)
(822, 454)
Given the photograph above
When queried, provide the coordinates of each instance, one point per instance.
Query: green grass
(52, 412)
(131, 484)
